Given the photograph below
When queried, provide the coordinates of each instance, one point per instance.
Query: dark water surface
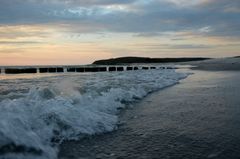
(198, 118)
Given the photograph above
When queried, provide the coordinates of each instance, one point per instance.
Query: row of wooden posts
(11, 70)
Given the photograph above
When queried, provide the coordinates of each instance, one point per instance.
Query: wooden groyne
(79, 69)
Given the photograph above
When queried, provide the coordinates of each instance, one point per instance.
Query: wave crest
(72, 108)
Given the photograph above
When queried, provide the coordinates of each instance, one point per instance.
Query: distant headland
(130, 60)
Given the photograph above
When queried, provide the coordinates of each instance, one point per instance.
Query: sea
(39, 111)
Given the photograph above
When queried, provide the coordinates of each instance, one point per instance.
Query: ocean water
(38, 112)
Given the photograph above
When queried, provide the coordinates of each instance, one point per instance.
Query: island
(130, 60)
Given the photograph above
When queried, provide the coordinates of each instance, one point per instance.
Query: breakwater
(79, 69)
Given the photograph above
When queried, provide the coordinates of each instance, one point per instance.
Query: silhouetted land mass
(129, 60)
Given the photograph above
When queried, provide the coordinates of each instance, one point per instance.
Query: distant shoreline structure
(109, 65)
(128, 64)
(78, 69)
(146, 60)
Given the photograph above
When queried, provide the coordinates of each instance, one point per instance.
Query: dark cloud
(148, 18)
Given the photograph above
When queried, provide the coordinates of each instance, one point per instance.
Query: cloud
(174, 46)
(94, 2)
(146, 18)
(190, 46)
(20, 42)
(23, 31)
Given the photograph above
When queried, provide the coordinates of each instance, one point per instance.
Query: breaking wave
(37, 114)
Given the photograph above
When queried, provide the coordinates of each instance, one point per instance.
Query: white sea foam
(37, 114)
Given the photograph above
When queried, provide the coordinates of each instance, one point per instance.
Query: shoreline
(222, 64)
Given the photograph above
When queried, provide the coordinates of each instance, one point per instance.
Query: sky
(69, 32)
